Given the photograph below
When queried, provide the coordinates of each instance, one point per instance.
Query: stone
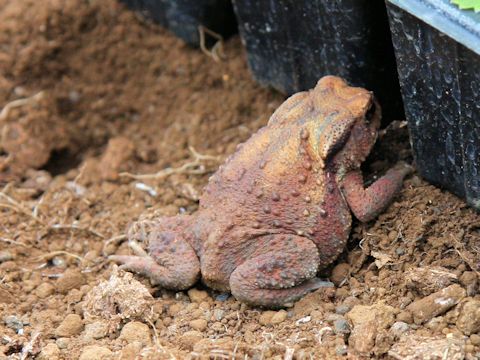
(278, 317)
(468, 320)
(341, 326)
(44, 290)
(218, 314)
(342, 309)
(136, 331)
(72, 325)
(13, 322)
(198, 324)
(95, 352)
(341, 350)
(71, 279)
(96, 330)
(398, 328)
(436, 304)
(197, 296)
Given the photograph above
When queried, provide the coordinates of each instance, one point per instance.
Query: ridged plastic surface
(440, 82)
(291, 44)
(183, 17)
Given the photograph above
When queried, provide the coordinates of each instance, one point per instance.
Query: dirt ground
(90, 95)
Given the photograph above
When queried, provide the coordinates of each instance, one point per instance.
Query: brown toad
(279, 208)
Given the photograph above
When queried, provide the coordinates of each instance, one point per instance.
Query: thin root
(194, 167)
(52, 254)
(216, 52)
(20, 102)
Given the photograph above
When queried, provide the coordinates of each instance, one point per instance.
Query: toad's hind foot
(171, 263)
(279, 277)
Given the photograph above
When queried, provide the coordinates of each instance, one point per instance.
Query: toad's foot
(278, 277)
(171, 263)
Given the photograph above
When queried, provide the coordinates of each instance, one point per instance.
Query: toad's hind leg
(171, 261)
(280, 276)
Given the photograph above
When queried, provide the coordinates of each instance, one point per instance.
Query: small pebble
(70, 326)
(341, 326)
(198, 324)
(218, 314)
(341, 350)
(136, 331)
(342, 309)
(398, 328)
(13, 322)
(222, 297)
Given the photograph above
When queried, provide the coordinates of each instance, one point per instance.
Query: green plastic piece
(467, 4)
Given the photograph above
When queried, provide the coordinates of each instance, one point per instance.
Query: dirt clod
(198, 324)
(71, 279)
(368, 324)
(197, 295)
(469, 317)
(72, 325)
(340, 273)
(136, 331)
(49, 352)
(95, 352)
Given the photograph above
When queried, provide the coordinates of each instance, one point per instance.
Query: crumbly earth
(103, 93)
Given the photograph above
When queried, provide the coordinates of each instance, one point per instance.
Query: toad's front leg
(367, 203)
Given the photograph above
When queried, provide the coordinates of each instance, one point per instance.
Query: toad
(280, 207)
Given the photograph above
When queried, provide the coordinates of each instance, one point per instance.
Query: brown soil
(101, 93)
